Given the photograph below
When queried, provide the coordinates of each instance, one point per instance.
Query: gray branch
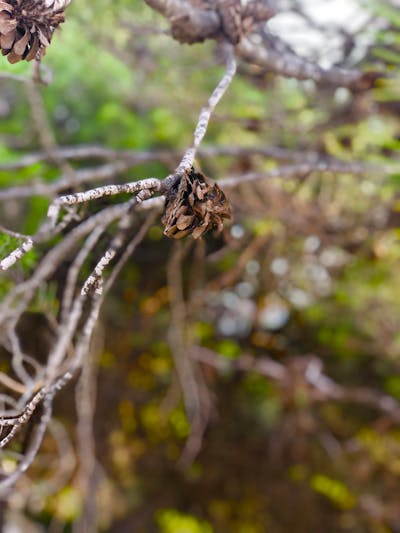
(188, 23)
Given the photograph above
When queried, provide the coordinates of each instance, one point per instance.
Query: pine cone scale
(5, 7)
(34, 50)
(13, 58)
(7, 40)
(21, 44)
(7, 24)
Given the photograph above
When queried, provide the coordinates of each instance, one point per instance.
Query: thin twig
(206, 112)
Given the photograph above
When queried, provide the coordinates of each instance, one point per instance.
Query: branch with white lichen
(80, 302)
(194, 21)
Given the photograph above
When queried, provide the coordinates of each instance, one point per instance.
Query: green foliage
(228, 348)
(334, 490)
(172, 521)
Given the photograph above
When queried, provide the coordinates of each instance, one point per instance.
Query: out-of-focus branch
(128, 159)
(43, 128)
(196, 21)
(321, 388)
(272, 58)
(90, 152)
(189, 24)
(13, 77)
(10, 383)
(85, 398)
(293, 171)
(195, 393)
(131, 157)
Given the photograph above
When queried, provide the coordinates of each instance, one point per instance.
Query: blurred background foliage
(308, 268)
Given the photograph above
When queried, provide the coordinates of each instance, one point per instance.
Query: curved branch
(188, 24)
(289, 64)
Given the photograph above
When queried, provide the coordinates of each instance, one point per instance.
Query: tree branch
(287, 63)
(188, 23)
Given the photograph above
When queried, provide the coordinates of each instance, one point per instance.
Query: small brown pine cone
(194, 205)
(27, 26)
(231, 19)
(239, 18)
(254, 14)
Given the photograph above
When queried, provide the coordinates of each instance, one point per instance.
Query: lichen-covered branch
(196, 20)
(188, 23)
(286, 63)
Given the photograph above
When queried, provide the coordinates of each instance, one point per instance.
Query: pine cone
(27, 26)
(193, 206)
(231, 18)
(240, 19)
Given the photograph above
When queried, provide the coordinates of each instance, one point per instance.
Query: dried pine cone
(27, 26)
(231, 18)
(193, 206)
(241, 18)
(238, 18)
